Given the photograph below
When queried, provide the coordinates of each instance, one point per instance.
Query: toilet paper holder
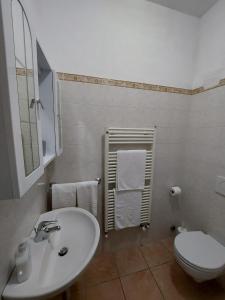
(99, 180)
(175, 191)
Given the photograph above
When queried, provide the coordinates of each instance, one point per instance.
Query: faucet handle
(43, 224)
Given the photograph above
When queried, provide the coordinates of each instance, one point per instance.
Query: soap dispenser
(23, 262)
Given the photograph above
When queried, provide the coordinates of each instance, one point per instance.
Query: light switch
(220, 185)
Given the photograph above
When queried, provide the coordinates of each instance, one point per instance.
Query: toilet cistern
(44, 228)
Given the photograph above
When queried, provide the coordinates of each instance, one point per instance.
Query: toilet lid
(200, 250)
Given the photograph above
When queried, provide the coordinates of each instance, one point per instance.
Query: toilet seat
(200, 251)
(190, 265)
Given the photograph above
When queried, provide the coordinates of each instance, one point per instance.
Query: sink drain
(63, 251)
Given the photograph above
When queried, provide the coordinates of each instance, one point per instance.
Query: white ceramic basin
(52, 273)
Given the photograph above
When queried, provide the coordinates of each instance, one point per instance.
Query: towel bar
(98, 179)
(125, 139)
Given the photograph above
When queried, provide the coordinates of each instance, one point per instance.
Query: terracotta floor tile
(140, 286)
(79, 283)
(175, 284)
(129, 260)
(156, 254)
(58, 297)
(111, 290)
(169, 243)
(78, 295)
(101, 269)
(221, 280)
(78, 289)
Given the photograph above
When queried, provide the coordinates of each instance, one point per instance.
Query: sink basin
(51, 273)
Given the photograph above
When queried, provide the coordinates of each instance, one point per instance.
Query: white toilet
(200, 255)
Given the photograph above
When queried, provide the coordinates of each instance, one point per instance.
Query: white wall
(132, 40)
(210, 63)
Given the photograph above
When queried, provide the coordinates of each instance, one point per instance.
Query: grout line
(161, 292)
(105, 281)
(122, 289)
(144, 257)
(96, 284)
(114, 261)
(160, 264)
(150, 270)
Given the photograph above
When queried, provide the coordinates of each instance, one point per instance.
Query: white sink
(52, 273)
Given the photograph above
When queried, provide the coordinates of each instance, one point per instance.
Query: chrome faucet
(44, 228)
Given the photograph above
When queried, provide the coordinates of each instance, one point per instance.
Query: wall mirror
(25, 87)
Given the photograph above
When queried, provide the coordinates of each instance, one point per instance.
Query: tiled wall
(17, 218)
(88, 109)
(204, 159)
(190, 152)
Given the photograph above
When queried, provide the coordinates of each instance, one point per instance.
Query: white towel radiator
(127, 139)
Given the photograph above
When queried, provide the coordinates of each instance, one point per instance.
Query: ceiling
(191, 7)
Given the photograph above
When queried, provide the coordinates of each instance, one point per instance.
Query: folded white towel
(131, 169)
(63, 195)
(127, 209)
(87, 196)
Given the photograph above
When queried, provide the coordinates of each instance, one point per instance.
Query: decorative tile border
(135, 85)
(21, 71)
(122, 83)
(197, 91)
(202, 89)
(24, 72)
(126, 84)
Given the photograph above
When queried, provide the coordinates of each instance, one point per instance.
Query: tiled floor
(142, 273)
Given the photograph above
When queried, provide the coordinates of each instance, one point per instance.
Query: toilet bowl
(200, 255)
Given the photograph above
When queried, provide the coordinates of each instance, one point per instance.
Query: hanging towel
(63, 195)
(127, 209)
(131, 169)
(87, 196)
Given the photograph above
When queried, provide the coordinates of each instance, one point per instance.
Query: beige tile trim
(24, 72)
(126, 84)
(202, 89)
(21, 71)
(135, 85)
(123, 83)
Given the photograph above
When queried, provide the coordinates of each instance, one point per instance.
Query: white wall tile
(89, 109)
(204, 159)
(190, 147)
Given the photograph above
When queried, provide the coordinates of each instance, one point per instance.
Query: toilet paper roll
(175, 191)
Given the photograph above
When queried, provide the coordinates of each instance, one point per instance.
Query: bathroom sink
(52, 273)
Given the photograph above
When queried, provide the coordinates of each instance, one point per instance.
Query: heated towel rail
(125, 139)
